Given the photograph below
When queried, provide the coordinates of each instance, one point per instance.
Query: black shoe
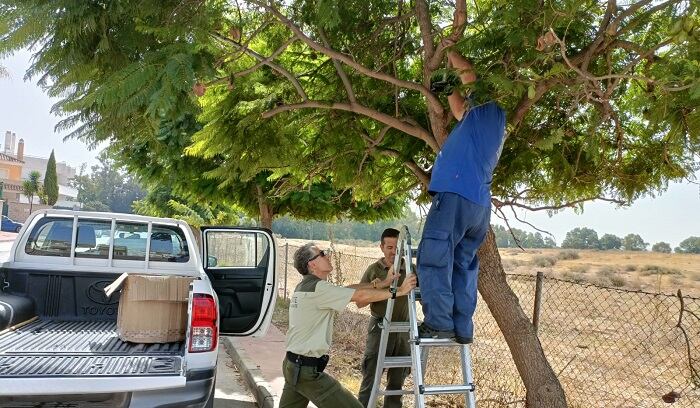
(464, 340)
(427, 332)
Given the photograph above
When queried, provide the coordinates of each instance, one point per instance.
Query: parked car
(63, 345)
(10, 225)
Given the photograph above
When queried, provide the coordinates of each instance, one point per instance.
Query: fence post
(538, 300)
(286, 263)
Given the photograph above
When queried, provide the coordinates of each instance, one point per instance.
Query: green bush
(568, 254)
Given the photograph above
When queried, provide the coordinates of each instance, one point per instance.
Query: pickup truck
(58, 341)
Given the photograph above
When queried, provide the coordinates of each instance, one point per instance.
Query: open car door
(240, 263)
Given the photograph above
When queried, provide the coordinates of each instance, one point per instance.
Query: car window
(50, 237)
(168, 244)
(130, 241)
(232, 250)
(93, 239)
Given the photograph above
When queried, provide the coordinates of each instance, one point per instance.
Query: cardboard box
(152, 309)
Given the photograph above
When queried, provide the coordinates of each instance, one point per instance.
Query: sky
(670, 217)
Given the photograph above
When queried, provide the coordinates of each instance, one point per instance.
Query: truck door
(240, 263)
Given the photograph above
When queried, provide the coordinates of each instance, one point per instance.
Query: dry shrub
(618, 281)
(659, 270)
(544, 261)
(568, 254)
(582, 268)
(607, 270)
(574, 277)
(630, 268)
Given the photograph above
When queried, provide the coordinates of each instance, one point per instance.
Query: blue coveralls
(458, 219)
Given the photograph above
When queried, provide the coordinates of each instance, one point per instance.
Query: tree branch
(498, 203)
(459, 24)
(339, 68)
(420, 174)
(413, 130)
(347, 60)
(268, 62)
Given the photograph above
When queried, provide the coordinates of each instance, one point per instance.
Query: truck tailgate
(88, 353)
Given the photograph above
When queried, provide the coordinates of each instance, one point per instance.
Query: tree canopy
(690, 245)
(634, 242)
(663, 247)
(581, 238)
(610, 241)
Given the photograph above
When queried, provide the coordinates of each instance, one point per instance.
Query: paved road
(231, 391)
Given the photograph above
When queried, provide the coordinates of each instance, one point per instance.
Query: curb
(251, 373)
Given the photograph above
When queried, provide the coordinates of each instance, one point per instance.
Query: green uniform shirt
(312, 310)
(378, 309)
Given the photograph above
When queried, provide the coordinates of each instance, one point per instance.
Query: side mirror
(212, 261)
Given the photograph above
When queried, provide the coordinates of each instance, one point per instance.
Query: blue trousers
(448, 267)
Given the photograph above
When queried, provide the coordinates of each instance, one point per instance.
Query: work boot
(463, 340)
(427, 332)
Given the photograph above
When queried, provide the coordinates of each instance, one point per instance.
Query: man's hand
(390, 276)
(408, 284)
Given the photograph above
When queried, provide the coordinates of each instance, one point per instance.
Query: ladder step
(439, 342)
(448, 389)
(397, 362)
(395, 392)
(399, 327)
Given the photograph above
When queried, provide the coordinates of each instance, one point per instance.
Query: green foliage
(107, 187)
(690, 245)
(32, 187)
(51, 181)
(663, 247)
(634, 242)
(506, 238)
(610, 241)
(581, 238)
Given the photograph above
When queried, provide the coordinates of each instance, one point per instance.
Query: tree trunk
(543, 387)
(266, 212)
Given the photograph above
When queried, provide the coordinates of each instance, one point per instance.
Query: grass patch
(630, 268)
(511, 264)
(544, 261)
(659, 270)
(280, 316)
(568, 254)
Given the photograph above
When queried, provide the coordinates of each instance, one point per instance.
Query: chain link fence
(610, 347)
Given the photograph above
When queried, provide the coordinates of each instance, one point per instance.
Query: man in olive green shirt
(312, 310)
(398, 342)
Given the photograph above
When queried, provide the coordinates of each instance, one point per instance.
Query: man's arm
(367, 282)
(466, 75)
(365, 295)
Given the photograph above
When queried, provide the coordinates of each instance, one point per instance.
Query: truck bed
(53, 348)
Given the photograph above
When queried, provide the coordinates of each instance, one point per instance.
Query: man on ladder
(459, 216)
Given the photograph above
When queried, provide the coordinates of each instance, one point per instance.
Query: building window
(4, 174)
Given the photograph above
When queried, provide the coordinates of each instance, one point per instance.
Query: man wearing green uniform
(398, 342)
(312, 310)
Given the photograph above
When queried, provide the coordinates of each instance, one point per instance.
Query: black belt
(319, 362)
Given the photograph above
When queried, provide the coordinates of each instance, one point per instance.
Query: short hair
(302, 256)
(390, 233)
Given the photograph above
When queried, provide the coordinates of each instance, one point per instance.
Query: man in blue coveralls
(460, 213)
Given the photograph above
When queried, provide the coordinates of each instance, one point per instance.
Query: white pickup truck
(58, 342)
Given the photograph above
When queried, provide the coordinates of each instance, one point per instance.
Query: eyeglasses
(324, 253)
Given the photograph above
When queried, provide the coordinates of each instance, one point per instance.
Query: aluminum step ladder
(419, 346)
